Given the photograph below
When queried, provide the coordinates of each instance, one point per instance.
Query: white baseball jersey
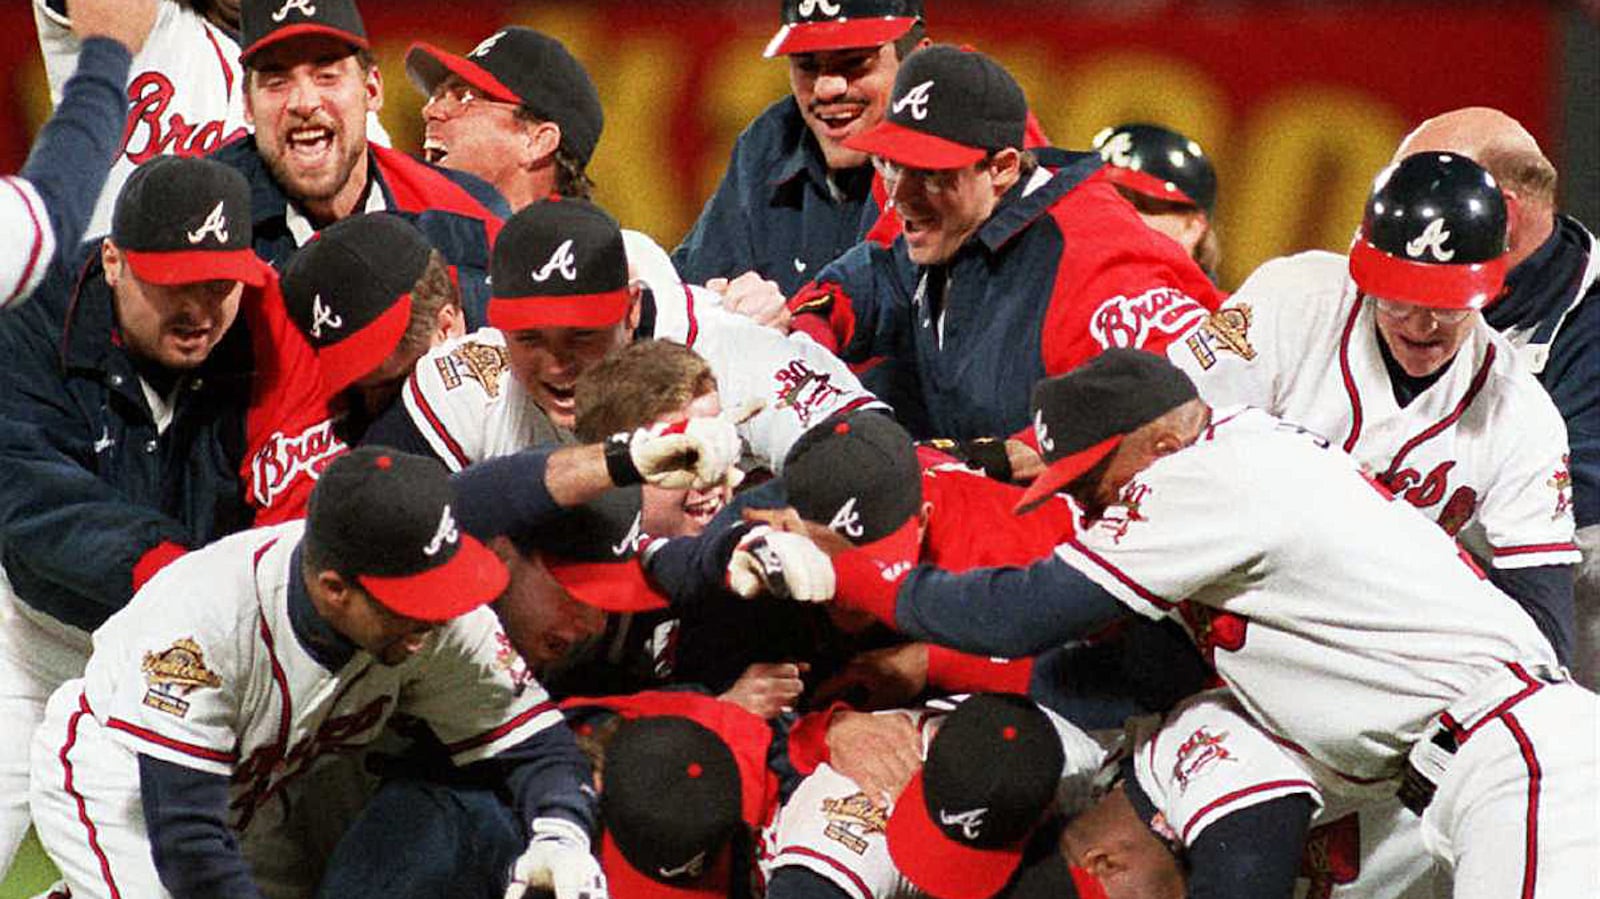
(833, 829)
(1483, 451)
(204, 669)
(30, 240)
(464, 400)
(185, 88)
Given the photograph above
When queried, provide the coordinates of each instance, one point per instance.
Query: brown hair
(637, 385)
(433, 291)
(1208, 252)
(1528, 174)
(572, 180)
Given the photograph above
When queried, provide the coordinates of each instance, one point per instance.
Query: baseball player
(173, 767)
(184, 85)
(1348, 625)
(47, 205)
(1169, 179)
(1386, 354)
(562, 301)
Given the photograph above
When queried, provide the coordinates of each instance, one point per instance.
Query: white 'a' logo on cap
(808, 8)
(691, 868)
(561, 261)
(1042, 432)
(971, 821)
(304, 7)
(446, 533)
(322, 315)
(635, 538)
(847, 521)
(487, 43)
(216, 224)
(1115, 150)
(917, 99)
(1432, 240)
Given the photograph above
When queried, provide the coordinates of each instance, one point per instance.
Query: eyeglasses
(455, 97)
(1401, 311)
(933, 181)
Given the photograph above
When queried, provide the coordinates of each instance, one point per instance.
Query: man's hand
(755, 298)
(878, 752)
(695, 453)
(782, 565)
(880, 678)
(558, 859)
(768, 688)
(128, 22)
(1026, 463)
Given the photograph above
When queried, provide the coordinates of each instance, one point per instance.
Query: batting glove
(696, 453)
(785, 565)
(558, 859)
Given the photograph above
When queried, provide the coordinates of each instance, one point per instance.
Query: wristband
(619, 461)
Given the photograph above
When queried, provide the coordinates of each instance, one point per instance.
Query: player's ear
(1006, 168)
(541, 142)
(338, 592)
(111, 261)
(373, 85)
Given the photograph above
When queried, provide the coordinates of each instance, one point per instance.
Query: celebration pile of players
(926, 524)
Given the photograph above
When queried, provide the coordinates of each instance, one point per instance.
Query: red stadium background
(1299, 105)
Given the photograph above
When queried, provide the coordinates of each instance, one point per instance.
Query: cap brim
(916, 149)
(427, 66)
(595, 310)
(1438, 285)
(898, 550)
(937, 864)
(356, 41)
(352, 358)
(810, 37)
(624, 880)
(619, 586)
(194, 266)
(474, 576)
(1064, 471)
(1148, 185)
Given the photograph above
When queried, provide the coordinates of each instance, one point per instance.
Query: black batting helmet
(1159, 162)
(1434, 234)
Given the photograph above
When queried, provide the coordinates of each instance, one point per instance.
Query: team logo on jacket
(304, 7)
(216, 224)
(481, 362)
(1131, 321)
(916, 99)
(174, 673)
(282, 459)
(446, 534)
(561, 262)
(852, 820)
(1226, 330)
(150, 131)
(808, 8)
(1202, 751)
(1431, 240)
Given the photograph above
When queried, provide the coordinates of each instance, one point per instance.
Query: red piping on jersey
(1240, 794)
(1530, 859)
(858, 403)
(490, 736)
(222, 61)
(83, 806)
(1349, 381)
(199, 752)
(694, 323)
(808, 852)
(1478, 380)
(1530, 686)
(434, 422)
(287, 714)
(1291, 745)
(38, 242)
(1535, 548)
(1117, 573)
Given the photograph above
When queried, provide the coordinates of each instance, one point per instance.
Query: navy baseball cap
(1160, 163)
(1081, 417)
(593, 552)
(559, 263)
(385, 518)
(266, 22)
(950, 107)
(349, 292)
(858, 474)
(958, 829)
(523, 66)
(180, 220)
(813, 25)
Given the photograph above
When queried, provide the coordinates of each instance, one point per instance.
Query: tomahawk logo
(1042, 432)
(487, 44)
(808, 8)
(305, 7)
(970, 822)
(917, 99)
(847, 521)
(322, 315)
(635, 538)
(445, 533)
(561, 261)
(691, 868)
(216, 224)
(1431, 240)
(1116, 149)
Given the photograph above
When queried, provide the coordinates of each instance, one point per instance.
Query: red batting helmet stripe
(1147, 184)
(1439, 285)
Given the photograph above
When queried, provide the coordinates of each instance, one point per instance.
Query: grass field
(30, 873)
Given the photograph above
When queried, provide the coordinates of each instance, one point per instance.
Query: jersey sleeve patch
(174, 673)
(1224, 331)
(483, 363)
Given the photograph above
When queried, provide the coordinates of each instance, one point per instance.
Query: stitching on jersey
(808, 852)
(1478, 380)
(434, 422)
(1241, 793)
(496, 733)
(1349, 380)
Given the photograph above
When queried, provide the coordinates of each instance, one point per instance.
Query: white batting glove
(696, 453)
(785, 565)
(558, 858)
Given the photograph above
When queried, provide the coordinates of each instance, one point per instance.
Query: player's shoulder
(473, 365)
(1514, 390)
(217, 588)
(1311, 274)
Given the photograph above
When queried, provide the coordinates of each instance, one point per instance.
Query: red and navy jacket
(1057, 274)
(460, 214)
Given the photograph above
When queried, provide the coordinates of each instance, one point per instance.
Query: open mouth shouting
(838, 120)
(434, 150)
